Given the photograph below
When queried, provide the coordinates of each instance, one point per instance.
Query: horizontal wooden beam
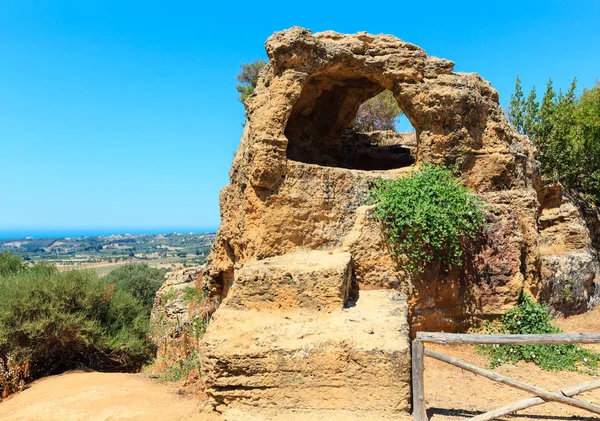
(545, 395)
(528, 403)
(462, 338)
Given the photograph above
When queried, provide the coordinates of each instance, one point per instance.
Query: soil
(455, 394)
(92, 396)
(451, 393)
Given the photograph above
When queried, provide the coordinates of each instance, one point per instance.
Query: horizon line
(38, 233)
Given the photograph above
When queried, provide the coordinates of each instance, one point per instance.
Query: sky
(122, 116)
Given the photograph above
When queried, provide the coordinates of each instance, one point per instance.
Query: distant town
(104, 253)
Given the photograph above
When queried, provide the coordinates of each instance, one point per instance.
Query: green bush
(427, 216)
(9, 263)
(53, 321)
(140, 280)
(529, 317)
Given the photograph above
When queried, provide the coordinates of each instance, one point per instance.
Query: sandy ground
(79, 396)
(455, 394)
(451, 393)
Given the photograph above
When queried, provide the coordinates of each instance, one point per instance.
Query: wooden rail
(564, 396)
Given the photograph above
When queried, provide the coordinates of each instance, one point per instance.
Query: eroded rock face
(295, 183)
(300, 182)
(171, 311)
(570, 270)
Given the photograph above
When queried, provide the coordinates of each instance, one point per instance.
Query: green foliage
(428, 216)
(378, 113)
(516, 112)
(566, 131)
(168, 296)
(248, 78)
(10, 264)
(138, 279)
(529, 317)
(193, 295)
(53, 321)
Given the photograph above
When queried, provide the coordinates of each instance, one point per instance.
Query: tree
(248, 78)
(565, 129)
(587, 134)
(516, 107)
(139, 280)
(531, 111)
(378, 113)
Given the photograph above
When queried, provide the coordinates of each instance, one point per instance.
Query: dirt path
(79, 396)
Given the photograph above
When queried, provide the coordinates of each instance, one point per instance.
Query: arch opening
(322, 128)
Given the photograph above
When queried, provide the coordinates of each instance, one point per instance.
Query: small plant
(529, 317)
(192, 295)
(168, 296)
(427, 216)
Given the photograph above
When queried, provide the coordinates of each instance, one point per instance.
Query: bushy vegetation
(139, 280)
(428, 216)
(565, 128)
(378, 113)
(529, 317)
(53, 321)
(10, 264)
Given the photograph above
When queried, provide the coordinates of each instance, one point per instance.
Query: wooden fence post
(418, 389)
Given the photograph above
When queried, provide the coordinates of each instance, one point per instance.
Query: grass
(529, 317)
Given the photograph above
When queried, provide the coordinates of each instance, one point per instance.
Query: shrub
(427, 216)
(9, 263)
(140, 280)
(53, 321)
(529, 317)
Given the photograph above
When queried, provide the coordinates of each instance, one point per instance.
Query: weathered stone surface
(569, 262)
(169, 306)
(315, 280)
(355, 358)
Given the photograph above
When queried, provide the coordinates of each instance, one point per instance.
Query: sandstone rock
(170, 308)
(256, 360)
(317, 280)
(569, 262)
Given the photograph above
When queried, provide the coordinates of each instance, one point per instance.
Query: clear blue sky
(123, 115)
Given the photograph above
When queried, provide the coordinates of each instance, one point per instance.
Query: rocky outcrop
(171, 310)
(570, 270)
(298, 190)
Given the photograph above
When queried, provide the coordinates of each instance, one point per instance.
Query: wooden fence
(564, 396)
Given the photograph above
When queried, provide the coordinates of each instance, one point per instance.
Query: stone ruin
(314, 314)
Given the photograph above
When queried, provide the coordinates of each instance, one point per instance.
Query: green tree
(587, 143)
(531, 111)
(139, 280)
(248, 78)
(378, 113)
(516, 113)
(545, 126)
(565, 128)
